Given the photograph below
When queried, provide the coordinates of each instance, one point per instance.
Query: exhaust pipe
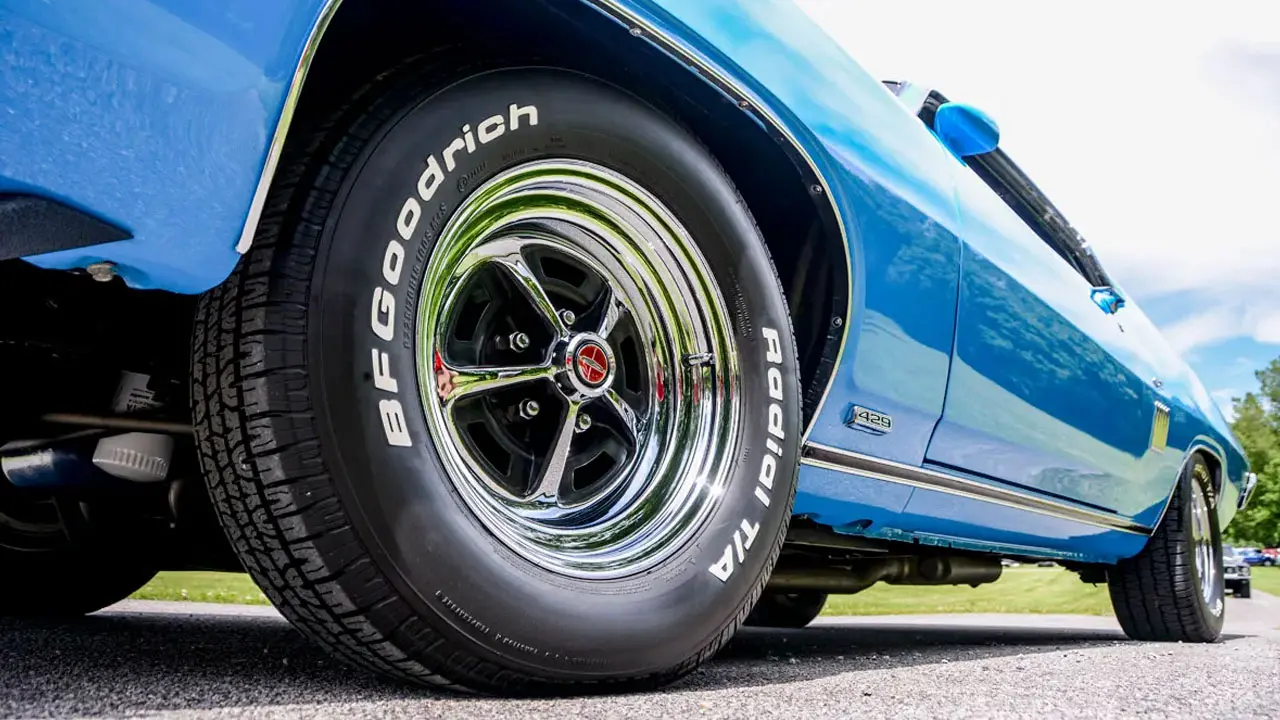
(931, 570)
(87, 460)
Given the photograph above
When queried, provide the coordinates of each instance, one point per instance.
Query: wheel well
(365, 39)
(1215, 467)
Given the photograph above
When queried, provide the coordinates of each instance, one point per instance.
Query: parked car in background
(530, 346)
(1273, 553)
(1255, 556)
(1238, 574)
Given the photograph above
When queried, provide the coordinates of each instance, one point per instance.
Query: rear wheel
(1174, 589)
(787, 610)
(505, 394)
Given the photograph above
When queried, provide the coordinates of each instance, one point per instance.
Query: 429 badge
(867, 419)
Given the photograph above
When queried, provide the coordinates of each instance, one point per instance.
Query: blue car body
(1024, 417)
(1254, 556)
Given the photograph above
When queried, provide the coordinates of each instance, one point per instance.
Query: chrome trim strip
(276, 147)
(751, 104)
(831, 458)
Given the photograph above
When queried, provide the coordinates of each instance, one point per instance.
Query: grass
(1267, 579)
(1019, 590)
(215, 587)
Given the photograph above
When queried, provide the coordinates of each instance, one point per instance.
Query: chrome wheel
(1207, 565)
(577, 369)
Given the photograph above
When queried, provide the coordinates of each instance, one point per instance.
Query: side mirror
(965, 130)
(1108, 299)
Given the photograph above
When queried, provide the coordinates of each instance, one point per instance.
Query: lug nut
(584, 422)
(529, 409)
(518, 341)
(568, 317)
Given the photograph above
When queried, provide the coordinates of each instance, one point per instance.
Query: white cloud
(1225, 404)
(1152, 126)
(1258, 322)
(1202, 329)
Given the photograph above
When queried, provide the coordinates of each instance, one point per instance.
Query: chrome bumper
(1250, 482)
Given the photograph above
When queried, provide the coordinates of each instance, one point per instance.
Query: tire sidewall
(424, 539)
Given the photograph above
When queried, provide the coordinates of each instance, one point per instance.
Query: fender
(192, 203)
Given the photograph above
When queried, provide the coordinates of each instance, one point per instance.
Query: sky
(1153, 126)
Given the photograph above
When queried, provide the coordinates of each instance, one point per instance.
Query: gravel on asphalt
(183, 660)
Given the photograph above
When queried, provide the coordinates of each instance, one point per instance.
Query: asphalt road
(187, 660)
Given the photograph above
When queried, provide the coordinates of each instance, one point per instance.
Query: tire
(1173, 590)
(345, 450)
(787, 610)
(1244, 590)
(45, 575)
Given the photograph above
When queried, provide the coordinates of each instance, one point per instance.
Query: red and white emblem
(592, 364)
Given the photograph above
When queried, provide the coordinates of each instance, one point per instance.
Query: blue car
(533, 346)
(1254, 556)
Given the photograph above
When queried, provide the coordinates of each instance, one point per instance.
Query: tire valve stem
(583, 423)
(698, 359)
(529, 409)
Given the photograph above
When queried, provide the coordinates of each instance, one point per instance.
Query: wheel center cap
(590, 365)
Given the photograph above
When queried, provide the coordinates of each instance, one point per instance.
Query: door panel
(1036, 395)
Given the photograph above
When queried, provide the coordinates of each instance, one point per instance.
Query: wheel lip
(1206, 551)
(685, 508)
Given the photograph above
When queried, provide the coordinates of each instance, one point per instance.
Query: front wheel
(1244, 590)
(505, 393)
(1174, 589)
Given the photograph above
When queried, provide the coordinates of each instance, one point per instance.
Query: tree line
(1257, 425)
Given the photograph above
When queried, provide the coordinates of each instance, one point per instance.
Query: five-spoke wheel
(579, 368)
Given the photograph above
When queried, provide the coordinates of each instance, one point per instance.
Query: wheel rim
(577, 369)
(1204, 547)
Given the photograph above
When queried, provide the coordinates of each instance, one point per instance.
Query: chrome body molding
(276, 148)
(855, 463)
